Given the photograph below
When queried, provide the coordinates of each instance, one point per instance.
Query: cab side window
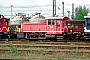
(6, 22)
(58, 23)
(51, 22)
(89, 22)
(0, 21)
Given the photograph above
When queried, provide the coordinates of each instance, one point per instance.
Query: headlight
(82, 33)
(0, 28)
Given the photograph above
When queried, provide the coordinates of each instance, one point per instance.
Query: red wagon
(75, 29)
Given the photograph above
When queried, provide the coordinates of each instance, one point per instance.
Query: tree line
(80, 12)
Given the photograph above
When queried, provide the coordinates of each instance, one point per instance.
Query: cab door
(59, 26)
(51, 28)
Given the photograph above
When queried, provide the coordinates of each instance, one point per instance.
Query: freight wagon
(75, 29)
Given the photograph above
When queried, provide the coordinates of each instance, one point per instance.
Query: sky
(42, 6)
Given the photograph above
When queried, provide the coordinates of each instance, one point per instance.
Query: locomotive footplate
(35, 35)
(50, 36)
(21, 35)
(1, 34)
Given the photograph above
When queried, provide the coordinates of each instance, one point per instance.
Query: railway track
(47, 46)
(43, 49)
(36, 42)
(47, 50)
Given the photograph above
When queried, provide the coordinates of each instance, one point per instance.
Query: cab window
(89, 22)
(6, 22)
(0, 21)
(58, 23)
(51, 22)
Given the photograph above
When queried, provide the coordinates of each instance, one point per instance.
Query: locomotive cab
(3, 27)
(56, 27)
(87, 27)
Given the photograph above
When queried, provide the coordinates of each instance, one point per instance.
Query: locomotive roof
(55, 17)
(75, 20)
(86, 16)
(17, 18)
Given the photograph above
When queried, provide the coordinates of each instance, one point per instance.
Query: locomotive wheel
(13, 36)
(5, 36)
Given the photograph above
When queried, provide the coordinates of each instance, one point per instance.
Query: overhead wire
(36, 6)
